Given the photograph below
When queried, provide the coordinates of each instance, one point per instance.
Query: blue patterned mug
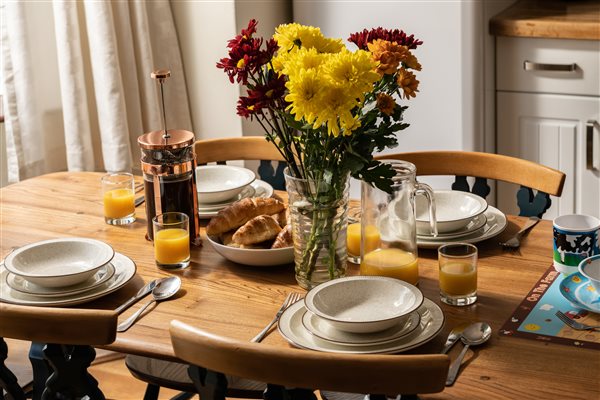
(576, 237)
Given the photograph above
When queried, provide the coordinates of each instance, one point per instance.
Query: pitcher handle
(428, 192)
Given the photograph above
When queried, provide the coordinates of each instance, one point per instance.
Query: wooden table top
(555, 19)
(237, 301)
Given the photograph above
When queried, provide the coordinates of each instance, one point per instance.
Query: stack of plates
(461, 217)
(219, 186)
(63, 272)
(418, 322)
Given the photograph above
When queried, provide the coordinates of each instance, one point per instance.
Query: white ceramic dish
(590, 268)
(124, 271)
(254, 257)
(476, 223)
(261, 189)
(453, 210)
(247, 191)
(320, 328)
(291, 328)
(495, 225)
(21, 285)
(363, 304)
(217, 183)
(59, 262)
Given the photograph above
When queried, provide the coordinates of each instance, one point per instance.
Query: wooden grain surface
(237, 301)
(557, 19)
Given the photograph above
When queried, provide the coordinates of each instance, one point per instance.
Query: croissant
(281, 217)
(241, 212)
(284, 238)
(257, 230)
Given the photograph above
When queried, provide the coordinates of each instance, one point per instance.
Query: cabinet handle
(533, 66)
(589, 146)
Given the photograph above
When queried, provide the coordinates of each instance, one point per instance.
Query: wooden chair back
(290, 367)
(244, 148)
(58, 325)
(483, 166)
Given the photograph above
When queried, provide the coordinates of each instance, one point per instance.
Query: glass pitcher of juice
(392, 216)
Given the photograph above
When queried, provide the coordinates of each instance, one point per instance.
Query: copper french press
(169, 169)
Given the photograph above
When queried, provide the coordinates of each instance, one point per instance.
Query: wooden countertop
(556, 19)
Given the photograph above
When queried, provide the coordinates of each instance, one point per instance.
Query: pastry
(284, 238)
(258, 229)
(241, 212)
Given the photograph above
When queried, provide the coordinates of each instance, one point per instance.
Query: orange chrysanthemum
(385, 103)
(408, 82)
(388, 55)
(411, 62)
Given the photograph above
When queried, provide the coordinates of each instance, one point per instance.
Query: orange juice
(391, 262)
(372, 239)
(171, 246)
(118, 203)
(458, 278)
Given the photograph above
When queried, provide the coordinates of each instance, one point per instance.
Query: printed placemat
(535, 317)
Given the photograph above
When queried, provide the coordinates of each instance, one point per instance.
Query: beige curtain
(93, 83)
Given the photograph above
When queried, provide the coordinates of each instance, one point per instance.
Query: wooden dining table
(237, 301)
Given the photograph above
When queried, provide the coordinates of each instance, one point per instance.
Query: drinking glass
(171, 240)
(458, 273)
(388, 225)
(118, 198)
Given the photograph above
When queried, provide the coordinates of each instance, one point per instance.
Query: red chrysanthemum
(245, 55)
(262, 96)
(361, 39)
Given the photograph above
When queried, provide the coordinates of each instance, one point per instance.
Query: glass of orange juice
(458, 273)
(171, 240)
(117, 194)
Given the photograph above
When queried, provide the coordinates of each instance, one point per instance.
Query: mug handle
(428, 192)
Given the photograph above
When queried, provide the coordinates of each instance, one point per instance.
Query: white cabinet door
(551, 130)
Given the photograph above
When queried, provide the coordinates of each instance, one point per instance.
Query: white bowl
(254, 257)
(363, 304)
(216, 183)
(590, 268)
(59, 262)
(454, 209)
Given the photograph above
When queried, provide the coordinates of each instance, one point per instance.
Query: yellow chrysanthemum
(293, 36)
(303, 59)
(354, 71)
(408, 82)
(334, 107)
(303, 94)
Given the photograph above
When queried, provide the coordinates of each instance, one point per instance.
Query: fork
(515, 241)
(289, 300)
(574, 324)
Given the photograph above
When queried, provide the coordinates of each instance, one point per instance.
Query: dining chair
(159, 373)
(483, 166)
(65, 337)
(296, 373)
(255, 148)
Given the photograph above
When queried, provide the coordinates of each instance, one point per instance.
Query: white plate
(495, 224)
(291, 328)
(22, 285)
(476, 223)
(320, 328)
(261, 189)
(124, 271)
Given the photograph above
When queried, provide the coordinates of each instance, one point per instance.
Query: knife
(144, 291)
(453, 337)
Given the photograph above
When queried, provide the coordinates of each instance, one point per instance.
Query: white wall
(203, 29)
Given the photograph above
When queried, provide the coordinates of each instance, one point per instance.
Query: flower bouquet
(328, 110)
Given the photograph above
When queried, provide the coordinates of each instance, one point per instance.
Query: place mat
(535, 317)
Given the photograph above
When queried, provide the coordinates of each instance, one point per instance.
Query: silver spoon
(163, 290)
(475, 334)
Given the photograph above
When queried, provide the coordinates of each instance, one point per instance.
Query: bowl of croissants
(253, 231)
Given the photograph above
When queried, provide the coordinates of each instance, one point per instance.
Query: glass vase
(318, 213)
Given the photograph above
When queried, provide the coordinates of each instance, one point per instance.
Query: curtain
(104, 54)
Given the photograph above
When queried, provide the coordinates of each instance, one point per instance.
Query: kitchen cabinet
(547, 111)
